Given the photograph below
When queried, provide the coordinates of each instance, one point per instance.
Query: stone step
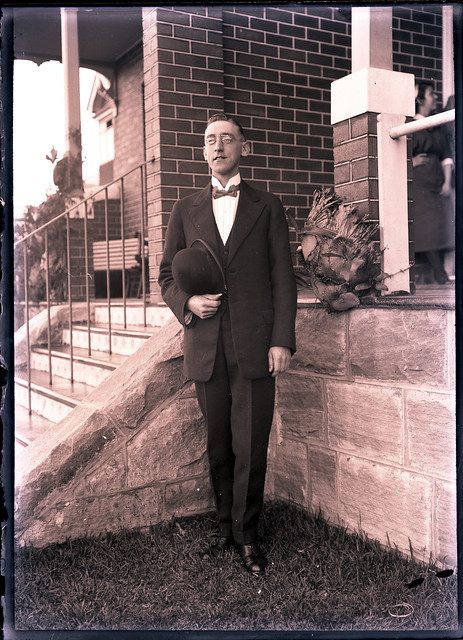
(50, 403)
(91, 369)
(28, 426)
(123, 341)
(156, 316)
(54, 401)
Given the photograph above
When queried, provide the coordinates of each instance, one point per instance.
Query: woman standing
(432, 170)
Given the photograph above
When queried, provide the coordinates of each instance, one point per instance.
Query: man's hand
(278, 360)
(204, 306)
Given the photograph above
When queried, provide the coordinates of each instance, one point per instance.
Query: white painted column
(448, 79)
(70, 59)
(393, 203)
(371, 38)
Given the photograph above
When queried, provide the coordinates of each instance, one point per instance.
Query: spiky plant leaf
(308, 244)
(292, 222)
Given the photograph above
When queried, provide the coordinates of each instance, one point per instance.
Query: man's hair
(223, 116)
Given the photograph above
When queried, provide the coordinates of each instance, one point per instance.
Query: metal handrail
(141, 168)
(81, 202)
(423, 123)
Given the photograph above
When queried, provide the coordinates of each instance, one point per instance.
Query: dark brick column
(356, 162)
(183, 74)
(356, 169)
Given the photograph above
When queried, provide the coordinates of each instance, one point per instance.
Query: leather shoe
(254, 560)
(224, 543)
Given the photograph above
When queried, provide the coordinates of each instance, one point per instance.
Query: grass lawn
(319, 578)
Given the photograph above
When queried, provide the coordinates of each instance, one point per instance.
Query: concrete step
(123, 341)
(28, 426)
(50, 403)
(91, 369)
(54, 401)
(156, 316)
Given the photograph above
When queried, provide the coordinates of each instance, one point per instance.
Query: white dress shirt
(225, 208)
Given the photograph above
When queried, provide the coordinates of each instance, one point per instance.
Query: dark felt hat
(197, 270)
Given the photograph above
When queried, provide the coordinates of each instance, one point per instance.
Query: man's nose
(218, 144)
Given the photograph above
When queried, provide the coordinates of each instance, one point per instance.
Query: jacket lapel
(202, 216)
(250, 206)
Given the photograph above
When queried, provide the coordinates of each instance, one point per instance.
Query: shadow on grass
(319, 578)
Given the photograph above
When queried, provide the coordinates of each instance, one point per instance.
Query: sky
(38, 125)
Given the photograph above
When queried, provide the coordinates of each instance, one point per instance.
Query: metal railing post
(108, 281)
(71, 347)
(142, 239)
(28, 337)
(124, 293)
(87, 277)
(47, 272)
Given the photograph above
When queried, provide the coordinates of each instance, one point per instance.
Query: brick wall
(96, 232)
(183, 66)
(129, 135)
(417, 42)
(278, 68)
(272, 67)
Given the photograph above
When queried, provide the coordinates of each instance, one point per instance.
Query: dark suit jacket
(262, 295)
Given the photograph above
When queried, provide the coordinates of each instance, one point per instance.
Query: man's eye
(227, 139)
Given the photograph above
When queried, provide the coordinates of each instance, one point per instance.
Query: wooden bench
(116, 259)
(117, 264)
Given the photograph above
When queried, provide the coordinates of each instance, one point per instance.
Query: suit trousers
(238, 414)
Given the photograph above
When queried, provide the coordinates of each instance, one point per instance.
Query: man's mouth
(219, 158)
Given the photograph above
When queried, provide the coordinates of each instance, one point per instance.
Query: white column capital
(372, 90)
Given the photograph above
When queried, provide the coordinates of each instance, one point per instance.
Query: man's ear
(246, 148)
(204, 153)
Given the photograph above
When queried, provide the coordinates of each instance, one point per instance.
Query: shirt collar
(235, 180)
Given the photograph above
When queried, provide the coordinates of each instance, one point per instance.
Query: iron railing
(24, 242)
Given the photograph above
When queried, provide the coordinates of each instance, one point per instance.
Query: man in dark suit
(238, 339)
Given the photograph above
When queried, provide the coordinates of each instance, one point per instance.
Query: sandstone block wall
(132, 454)
(364, 430)
(365, 425)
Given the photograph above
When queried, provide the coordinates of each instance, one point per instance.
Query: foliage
(337, 252)
(34, 218)
(69, 182)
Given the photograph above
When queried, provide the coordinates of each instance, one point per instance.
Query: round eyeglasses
(225, 138)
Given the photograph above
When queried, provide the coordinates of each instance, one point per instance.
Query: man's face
(223, 148)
